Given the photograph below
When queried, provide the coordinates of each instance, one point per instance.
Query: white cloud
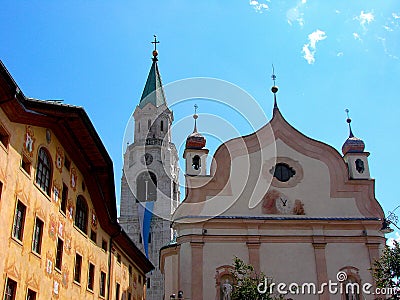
(388, 28)
(390, 241)
(339, 54)
(395, 16)
(383, 41)
(259, 7)
(295, 14)
(365, 18)
(309, 49)
(337, 11)
(357, 36)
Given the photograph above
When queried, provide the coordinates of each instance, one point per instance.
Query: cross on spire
(155, 42)
(195, 116)
(273, 74)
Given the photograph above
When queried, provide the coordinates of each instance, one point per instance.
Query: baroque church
(293, 207)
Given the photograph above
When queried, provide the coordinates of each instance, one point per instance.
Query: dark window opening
(360, 166)
(93, 236)
(148, 124)
(118, 257)
(149, 237)
(282, 172)
(59, 254)
(148, 284)
(102, 284)
(78, 268)
(146, 184)
(37, 236)
(64, 198)
(130, 269)
(11, 289)
(1, 189)
(196, 162)
(31, 295)
(81, 215)
(140, 239)
(4, 137)
(91, 277)
(67, 163)
(104, 245)
(162, 125)
(19, 220)
(26, 164)
(117, 292)
(43, 172)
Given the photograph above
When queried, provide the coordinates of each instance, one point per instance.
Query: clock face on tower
(284, 205)
(147, 159)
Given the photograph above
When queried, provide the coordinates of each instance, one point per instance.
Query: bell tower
(149, 184)
(195, 154)
(355, 156)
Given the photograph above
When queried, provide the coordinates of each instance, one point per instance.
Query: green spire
(153, 90)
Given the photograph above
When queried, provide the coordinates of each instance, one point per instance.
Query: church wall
(37, 271)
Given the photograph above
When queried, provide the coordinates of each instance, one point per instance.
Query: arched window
(81, 214)
(43, 170)
(146, 184)
(352, 284)
(162, 125)
(148, 124)
(196, 164)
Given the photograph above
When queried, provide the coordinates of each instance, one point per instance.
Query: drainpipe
(109, 262)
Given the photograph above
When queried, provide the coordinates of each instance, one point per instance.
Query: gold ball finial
(155, 53)
(274, 89)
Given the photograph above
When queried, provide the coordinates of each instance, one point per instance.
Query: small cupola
(195, 154)
(354, 155)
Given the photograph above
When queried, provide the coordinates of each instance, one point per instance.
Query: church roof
(153, 91)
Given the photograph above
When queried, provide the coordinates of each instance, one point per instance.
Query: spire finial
(195, 116)
(349, 122)
(274, 89)
(155, 52)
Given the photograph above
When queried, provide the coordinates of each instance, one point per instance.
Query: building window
(129, 296)
(196, 162)
(117, 292)
(64, 198)
(149, 237)
(59, 254)
(19, 220)
(102, 284)
(148, 284)
(283, 172)
(78, 268)
(4, 136)
(31, 295)
(140, 238)
(93, 236)
(162, 125)
(118, 258)
(104, 244)
(148, 124)
(37, 236)
(10, 290)
(130, 269)
(43, 172)
(26, 164)
(81, 215)
(67, 163)
(90, 277)
(138, 126)
(1, 189)
(146, 184)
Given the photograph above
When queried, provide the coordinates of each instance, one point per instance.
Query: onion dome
(352, 144)
(195, 140)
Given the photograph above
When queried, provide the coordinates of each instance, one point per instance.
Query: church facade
(149, 185)
(293, 207)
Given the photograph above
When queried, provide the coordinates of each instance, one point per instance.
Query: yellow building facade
(59, 235)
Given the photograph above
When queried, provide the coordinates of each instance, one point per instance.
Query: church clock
(284, 205)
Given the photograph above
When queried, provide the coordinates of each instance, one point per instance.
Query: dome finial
(155, 52)
(274, 89)
(195, 117)
(352, 144)
(349, 122)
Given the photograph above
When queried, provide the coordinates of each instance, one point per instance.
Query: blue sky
(328, 56)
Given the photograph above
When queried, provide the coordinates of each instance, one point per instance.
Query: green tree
(386, 270)
(246, 282)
